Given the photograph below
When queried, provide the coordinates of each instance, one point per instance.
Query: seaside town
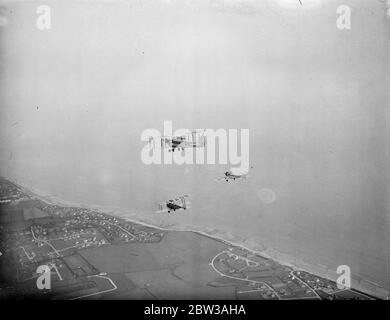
(92, 255)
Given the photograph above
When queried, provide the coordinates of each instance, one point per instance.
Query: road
(44, 241)
(303, 282)
(254, 263)
(114, 287)
(237, 278)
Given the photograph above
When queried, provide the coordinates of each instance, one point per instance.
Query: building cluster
(113, 229)
(317, 283)
(9, 192)
(265, 277)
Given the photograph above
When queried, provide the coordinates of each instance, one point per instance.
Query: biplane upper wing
(173, 204)
(194, 139)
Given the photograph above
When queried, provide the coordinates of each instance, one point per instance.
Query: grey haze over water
(75, 100)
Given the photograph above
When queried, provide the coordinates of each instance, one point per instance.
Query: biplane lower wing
(173, 205)
(231, 177)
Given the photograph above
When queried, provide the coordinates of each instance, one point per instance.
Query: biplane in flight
(194, 139)
(234, 174)
(180, 203)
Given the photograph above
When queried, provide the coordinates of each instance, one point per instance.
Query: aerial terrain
(92, 255)
(76, 98)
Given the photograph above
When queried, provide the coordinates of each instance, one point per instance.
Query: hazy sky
(74, 100)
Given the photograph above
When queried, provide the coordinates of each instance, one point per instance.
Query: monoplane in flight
(194, 139)
(180, 203)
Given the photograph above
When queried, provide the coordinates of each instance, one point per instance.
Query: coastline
(358, 283)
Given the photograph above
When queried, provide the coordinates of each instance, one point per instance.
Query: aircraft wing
(173, 204)
(244, 176)
(231, 177)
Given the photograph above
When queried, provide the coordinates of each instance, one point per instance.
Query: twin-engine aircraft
(195, 139)
(180, 203)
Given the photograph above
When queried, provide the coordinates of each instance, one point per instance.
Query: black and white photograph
(195, 150)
